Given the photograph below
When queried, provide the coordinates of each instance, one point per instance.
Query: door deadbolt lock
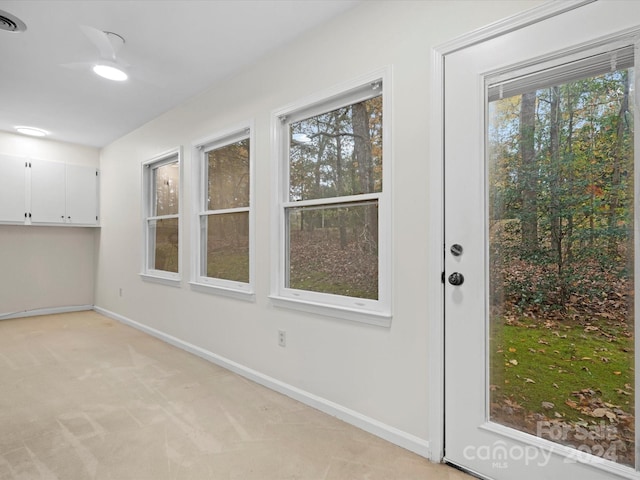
(456, 250)
(456, 279)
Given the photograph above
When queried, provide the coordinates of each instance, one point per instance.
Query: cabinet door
(82, 195)
(12, 189)
(47, 192)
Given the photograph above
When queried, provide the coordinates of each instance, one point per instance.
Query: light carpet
(85, 397)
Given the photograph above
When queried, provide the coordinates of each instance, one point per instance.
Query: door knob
(456, 279)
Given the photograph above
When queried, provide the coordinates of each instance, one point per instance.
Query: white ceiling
(175, 49)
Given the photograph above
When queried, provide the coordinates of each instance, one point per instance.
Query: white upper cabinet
(42, 192)
(82, 195)
(13, 185)
(47, 192)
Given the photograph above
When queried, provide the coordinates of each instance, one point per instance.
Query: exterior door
(541, 241)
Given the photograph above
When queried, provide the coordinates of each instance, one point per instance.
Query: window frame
(168, 157)
(374, 312)
(201, 147)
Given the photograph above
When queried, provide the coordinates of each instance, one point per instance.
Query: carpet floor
(85, 397)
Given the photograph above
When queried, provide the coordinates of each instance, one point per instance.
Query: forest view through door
(541, 266)
(561, 258)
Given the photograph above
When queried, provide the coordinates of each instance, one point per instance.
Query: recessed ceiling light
(109, 72)
(34, 132)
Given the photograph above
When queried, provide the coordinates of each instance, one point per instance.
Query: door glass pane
(561, 263)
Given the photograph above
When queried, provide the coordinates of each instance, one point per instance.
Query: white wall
(381, 373)
(46, 267)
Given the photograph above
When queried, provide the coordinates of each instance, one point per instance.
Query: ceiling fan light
(109, 72)
(34, 132)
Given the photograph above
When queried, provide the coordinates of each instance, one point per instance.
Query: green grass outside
(229, 266)
(532, 363)
(318, 281)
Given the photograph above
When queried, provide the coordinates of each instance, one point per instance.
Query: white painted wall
(381, 373)
(46, 267)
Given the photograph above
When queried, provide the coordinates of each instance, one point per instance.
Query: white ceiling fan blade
(107, 43)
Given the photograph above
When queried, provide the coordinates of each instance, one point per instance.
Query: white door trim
(436, 200)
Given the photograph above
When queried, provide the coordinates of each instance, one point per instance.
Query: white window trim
(373, 312)
(149, 274)
(200, 283)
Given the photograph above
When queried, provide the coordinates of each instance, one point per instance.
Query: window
(333, 208)
(224, 239)
(161, 211)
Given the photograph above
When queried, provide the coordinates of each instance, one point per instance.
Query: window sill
(246, 295)
(379, 319)
(170, 281)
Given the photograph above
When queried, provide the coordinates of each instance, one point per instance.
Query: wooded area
(227, 233)
(166, 198)
(333, 247)
(561, 196)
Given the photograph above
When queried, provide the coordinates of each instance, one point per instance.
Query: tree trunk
(614, 198)
(529, 173)
(362, 150)
(339, 191)
(555, 207)
(568, 248)
(362, 140)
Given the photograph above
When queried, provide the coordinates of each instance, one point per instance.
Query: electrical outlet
(120, 291)
(282, 338)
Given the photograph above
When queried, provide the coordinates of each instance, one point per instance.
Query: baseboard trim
(391, 434)
(45, 311)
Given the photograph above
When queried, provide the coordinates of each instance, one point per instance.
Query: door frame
(436, 253)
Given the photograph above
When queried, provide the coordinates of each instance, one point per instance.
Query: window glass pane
(337, 153)
(163, 245)
(166, 181)
(334, 249)
(228, 180)
(227, 246)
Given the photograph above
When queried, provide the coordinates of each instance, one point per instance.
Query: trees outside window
(161, 210)
(225, 245)
(334, 202)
